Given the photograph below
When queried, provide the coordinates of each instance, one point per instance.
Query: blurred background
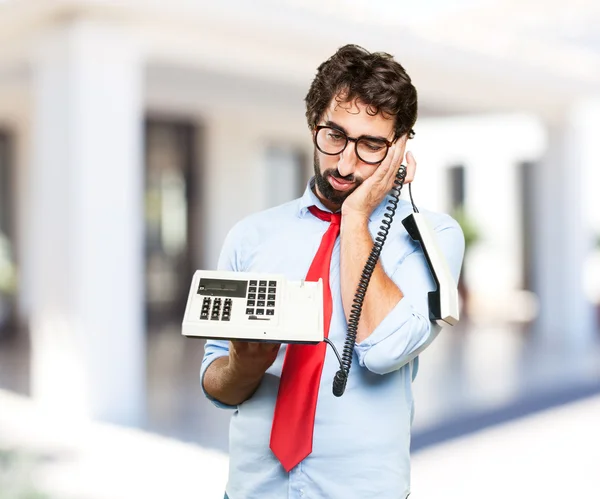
(134, 134)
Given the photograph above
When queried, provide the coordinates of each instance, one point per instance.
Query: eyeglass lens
(332, 141)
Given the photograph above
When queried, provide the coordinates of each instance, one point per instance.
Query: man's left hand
(371, 192)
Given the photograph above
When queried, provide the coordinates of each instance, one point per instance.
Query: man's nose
(348, 161)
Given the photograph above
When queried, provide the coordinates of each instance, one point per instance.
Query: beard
(326, 189)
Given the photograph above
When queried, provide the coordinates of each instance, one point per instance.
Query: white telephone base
(253, 307)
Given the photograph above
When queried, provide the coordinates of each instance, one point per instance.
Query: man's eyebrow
(336, 126)
(341, 128)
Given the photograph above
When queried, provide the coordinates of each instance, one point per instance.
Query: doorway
(170, 220)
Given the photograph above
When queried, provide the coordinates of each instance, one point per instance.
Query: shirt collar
(309, 198)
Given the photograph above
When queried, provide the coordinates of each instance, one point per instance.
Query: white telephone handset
(254, 307)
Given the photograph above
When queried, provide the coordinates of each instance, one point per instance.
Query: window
(285, 172)
(5, 186)
(527, 199)
(456, 184)
(7, 262)
(169, 197)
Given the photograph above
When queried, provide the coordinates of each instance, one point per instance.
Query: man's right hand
(234, 379)
(249, 360)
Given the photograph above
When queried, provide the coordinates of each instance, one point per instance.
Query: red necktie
(294, 417)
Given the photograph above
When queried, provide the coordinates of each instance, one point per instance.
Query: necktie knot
(334, 218)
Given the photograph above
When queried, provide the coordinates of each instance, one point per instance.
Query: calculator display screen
(223, 287)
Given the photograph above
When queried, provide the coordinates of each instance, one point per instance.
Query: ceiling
(464, 56)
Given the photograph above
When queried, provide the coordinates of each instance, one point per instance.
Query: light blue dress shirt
(361, 440)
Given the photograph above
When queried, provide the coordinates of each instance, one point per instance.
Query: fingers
(397, 159)
(254, 347)
(262, 346)
(271, 347)
(392, 165)
(386, 170)
(411, 167)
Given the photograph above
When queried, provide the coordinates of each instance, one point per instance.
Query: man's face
(336, 177)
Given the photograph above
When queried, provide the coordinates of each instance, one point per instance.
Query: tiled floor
(551, 454)
(468, 378)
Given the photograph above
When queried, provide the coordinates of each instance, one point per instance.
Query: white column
(86, 241)
(562, 237)
(235, 179)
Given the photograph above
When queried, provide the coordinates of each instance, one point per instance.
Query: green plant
(470, 230)
(8, 273)
(16, 476)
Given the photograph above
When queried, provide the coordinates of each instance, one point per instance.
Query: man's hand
(234, 378)
(249, 360)
(371, 192)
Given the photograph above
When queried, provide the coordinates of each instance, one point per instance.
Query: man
(289, 435)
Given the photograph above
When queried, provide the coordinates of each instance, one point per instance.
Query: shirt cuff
(399, 335)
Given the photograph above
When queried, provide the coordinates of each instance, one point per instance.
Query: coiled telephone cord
(341, 377)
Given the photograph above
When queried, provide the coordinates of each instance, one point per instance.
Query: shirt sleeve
(406, 330)
(229, 259)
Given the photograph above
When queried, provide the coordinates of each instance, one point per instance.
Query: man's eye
(335, 136)
(373, 146)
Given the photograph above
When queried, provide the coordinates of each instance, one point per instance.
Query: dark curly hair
(375, 79)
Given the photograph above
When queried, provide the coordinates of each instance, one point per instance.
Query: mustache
(336, 174)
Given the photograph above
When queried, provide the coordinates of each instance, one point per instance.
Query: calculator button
(249, 311)
(271, 297)
(263, 283)
(270, 304)
(262, 296)
(253, 283)
(252, 296)
(262, 289)
(270, 311)
(260, 311)
(225, 318)
(273, 283)
(260, 303)
(252, 289)
(204, 317)
(251, 303)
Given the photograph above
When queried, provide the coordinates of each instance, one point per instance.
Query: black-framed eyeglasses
(333, 141)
